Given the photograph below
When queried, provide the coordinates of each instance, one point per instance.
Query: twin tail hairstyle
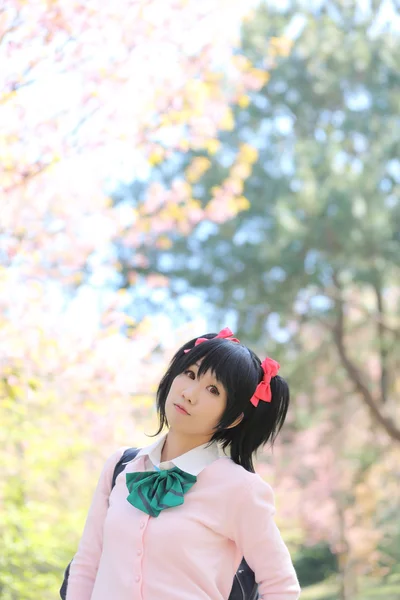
(243, 376)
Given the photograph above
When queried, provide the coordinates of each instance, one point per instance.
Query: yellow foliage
(194, 204)
(184, 115)
(130, 320)
(144, 400)
(164, 243)
(197, 168)
(7, 96)
(241, 62)
(212, 77)
(78, 277)
(173, 116)
(173, 211)
(262, 76)
(196, 87)
(242, 203)
(243, 101)
(214, 190)
(184, 145)
(241, 170)
(156, 156)
(165, 120)
(248, 153)
(145, 225)
(227, 122)
(232, 206)
(280, 46)
(197, 94)
(212, 146)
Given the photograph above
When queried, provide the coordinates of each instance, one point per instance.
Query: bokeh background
(171, 167)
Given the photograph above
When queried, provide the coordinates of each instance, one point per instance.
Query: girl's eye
(214, 390)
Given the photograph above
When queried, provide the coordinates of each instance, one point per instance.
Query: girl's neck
(176, 445)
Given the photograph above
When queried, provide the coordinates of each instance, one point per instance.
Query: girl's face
(195, 405)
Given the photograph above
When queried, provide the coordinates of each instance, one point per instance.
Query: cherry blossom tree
(90, 91)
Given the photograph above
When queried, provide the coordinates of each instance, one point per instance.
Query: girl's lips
(181, 410)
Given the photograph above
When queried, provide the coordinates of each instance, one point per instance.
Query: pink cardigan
(190, 552)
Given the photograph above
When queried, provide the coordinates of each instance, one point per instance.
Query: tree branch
(383, 349)
(357, 377)
(378, 317)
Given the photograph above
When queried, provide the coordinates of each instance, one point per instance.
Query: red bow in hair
(263, 390)
(225, 333)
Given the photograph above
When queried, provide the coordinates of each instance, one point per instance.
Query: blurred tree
(103, 89)
(68, 398)
(311, 261)
(315, 564)
(88, 88)
(319, 239)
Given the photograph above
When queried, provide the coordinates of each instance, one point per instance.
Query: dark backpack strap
(127, 456)
(244, 584)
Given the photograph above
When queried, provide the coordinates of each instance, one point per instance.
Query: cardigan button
(139, 553)
(137, 578)
(141, 524)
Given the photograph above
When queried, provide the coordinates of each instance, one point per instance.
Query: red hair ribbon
(263, 390)
(225, 333)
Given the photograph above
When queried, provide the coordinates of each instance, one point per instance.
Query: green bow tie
(153, 491)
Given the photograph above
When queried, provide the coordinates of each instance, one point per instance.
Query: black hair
(239, 370)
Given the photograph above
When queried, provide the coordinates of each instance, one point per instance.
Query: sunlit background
(172, 167)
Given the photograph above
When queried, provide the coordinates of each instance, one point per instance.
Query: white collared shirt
(192, 462)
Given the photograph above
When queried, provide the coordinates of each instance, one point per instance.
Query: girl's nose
(188, 395)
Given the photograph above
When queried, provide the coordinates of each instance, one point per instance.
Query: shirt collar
(192, 462)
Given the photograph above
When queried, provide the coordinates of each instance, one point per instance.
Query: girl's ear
(236, 421)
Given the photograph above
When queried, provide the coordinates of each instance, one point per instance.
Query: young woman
(183, 513)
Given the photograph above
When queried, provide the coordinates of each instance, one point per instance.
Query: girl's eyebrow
(198, 364)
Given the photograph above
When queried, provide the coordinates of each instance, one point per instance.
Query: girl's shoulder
(224, 472)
